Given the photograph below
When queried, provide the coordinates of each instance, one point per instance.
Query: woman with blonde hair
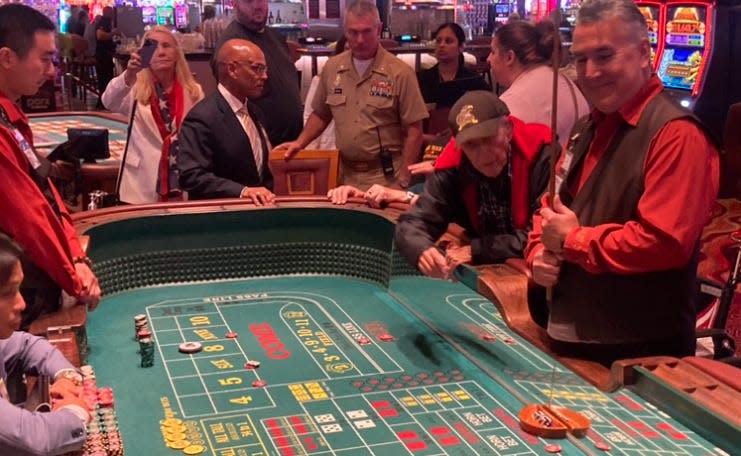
(156, 92)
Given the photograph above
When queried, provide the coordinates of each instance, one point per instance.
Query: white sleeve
(117, 97)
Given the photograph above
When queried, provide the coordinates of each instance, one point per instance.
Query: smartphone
(147, 51)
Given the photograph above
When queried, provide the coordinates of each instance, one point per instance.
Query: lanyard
(21, 140)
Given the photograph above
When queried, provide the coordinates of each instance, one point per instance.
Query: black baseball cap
(475, 114)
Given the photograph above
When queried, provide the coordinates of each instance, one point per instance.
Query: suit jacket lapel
(237, 139)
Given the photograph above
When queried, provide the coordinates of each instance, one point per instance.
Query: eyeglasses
(258, 68)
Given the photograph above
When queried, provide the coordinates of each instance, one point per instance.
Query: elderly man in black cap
(488, 180)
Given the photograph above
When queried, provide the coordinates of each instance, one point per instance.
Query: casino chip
(171, 422)
(259, 383)
(231, 335)
(194, 449)
(190, 347)
(602, 445)
(178, 444)
(488, 336)
(553, 448)
(386, 337)
(252, 364)
(364, 341)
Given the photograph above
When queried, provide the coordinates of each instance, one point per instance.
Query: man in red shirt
(619, 244)
(33, 214)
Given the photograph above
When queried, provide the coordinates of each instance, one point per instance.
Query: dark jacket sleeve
(496, 248)
(422, 225)
(198, 145)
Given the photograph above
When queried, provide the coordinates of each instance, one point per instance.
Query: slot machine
(700, 61)
(181, 16)
(149, 15)
(499, 12)
(687, 48)
(65, 11)
(654, 12)
(165, 15)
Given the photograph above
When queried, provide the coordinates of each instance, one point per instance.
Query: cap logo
(465, 117)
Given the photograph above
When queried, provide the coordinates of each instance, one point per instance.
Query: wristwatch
(409, 197)
(71, 375)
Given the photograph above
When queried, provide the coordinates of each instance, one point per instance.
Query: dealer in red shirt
(33, 213)
(636, 184)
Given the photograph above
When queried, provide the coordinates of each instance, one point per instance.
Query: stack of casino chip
(103, 436)
(89, 386)
(146, 350)
(182, 436)
(143, 334)
(140, 323)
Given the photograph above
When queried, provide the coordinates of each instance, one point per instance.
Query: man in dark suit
(224, 149)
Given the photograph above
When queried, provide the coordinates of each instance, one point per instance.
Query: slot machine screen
(499, 12)
(651, 13)
(685, 44)
(165, 15)
(679, 67)
(149, 15)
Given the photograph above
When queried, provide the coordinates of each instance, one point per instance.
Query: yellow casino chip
(178, 444)
(194, 449)
(171, 422)
(174, 437)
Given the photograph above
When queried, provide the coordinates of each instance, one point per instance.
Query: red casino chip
(553, 448)
(364, 341)
(252, 364)
(386, 337)
(259, 383)
(231, 335)
(488, 336)
(602, 445)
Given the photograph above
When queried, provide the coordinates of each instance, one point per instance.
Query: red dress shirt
(49, 240)
(681, 180)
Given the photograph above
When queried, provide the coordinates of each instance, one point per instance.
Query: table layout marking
(495, 330)
(195, 366)
(239, 345)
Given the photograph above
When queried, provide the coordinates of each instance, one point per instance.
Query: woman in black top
(449, 41)
(441, 87)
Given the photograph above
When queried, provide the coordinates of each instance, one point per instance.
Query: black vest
(620, 308)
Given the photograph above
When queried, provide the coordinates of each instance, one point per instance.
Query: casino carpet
(718, 255)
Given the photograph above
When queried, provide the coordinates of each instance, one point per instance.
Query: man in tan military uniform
(374, 99)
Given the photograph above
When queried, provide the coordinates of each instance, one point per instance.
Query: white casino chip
(190, 347)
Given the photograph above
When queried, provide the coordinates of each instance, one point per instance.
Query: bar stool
(66, 54)
(83, 67)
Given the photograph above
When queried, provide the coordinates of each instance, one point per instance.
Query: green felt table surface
(312, 294)
(51, 130)
(327, 393)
